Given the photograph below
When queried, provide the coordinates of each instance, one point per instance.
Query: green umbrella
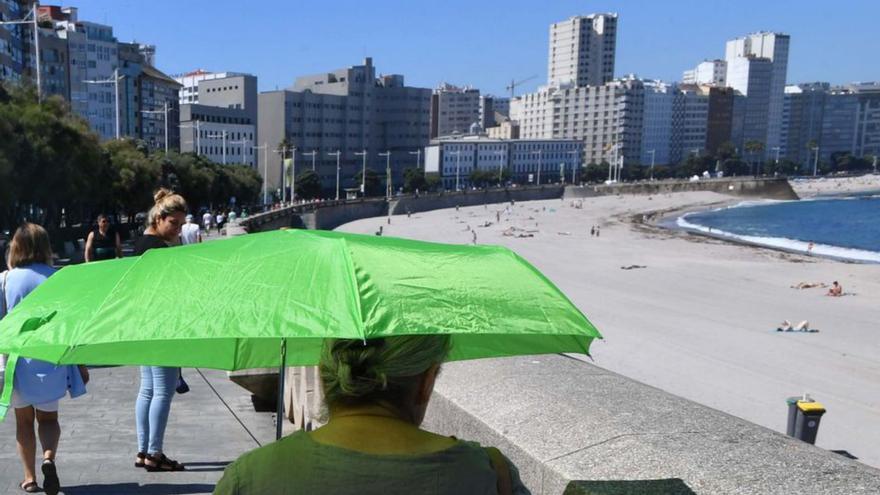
(269, 299)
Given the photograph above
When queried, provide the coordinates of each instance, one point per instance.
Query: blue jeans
(153, 405)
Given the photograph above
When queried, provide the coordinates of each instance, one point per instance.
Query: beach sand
(699, 320)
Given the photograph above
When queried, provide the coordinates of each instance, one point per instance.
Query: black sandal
(29, 486)
(162, 463)
(51, 484)
(139, 460)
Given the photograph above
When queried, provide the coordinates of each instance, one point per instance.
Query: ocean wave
(783, 243)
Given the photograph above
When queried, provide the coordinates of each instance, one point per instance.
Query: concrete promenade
(209, 427)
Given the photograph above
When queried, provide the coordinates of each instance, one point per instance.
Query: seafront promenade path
(209, 427)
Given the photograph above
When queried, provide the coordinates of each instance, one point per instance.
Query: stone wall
(758, 188)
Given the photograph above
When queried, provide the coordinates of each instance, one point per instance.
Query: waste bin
(807, 423)
(792, 415)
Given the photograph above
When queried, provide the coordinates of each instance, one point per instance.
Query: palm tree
(754, 147)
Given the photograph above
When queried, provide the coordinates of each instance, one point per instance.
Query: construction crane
(514, 84)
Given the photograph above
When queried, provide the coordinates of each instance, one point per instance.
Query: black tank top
(104, 247)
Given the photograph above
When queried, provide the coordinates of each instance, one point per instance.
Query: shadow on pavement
(206, 466)
(670, 486)
(137, 489)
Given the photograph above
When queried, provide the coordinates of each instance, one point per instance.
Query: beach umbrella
(270, 299)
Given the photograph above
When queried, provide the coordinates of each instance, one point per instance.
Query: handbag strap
(502, 471)
(3, 294)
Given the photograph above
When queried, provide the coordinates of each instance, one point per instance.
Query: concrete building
(504, 130)
(802, 116)
(582, 51)
(720, 117)
(607, 118)
(347, 110)
(454, 109)
(739, 54)
(493, 110)
(528, 161)
(13, 38)
(707, 72)
(752, 77)
(224, 126)
(657, 122)
(159, 93)
(189, 92)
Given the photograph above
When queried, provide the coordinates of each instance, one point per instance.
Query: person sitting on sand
(803, 326)
(836, 290)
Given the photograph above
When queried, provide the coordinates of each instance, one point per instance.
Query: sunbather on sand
(836, 290)
(803, 326)
(808, 285)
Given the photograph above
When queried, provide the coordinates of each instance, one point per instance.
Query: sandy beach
(694, 316)
(809, 188)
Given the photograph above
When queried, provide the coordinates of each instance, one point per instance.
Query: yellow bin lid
(810, 407)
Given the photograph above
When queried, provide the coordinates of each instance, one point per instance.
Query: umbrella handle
(279, 409)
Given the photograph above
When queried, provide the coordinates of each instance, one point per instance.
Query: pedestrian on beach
(474, 240)
(190, 232)
(158, 383)
(376, 393)
(597, 231)
(592, 231)
(38, 385)
(103, 242)
(206, 222)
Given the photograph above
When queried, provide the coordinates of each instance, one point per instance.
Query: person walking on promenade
(38, 385)
(206, 222)
(376, 392)
(190, 233)
(157, 383)
(103, 242)
(220, 220)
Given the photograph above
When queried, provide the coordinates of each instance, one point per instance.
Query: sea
(846, 228)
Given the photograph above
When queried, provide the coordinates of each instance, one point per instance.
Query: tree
(753, 148)
(414, 179)
(135, 176)
(308, 185)
(594, 173)
(726, 150)
(372, 184)
(483, 178)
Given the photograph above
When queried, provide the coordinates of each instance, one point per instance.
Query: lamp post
(223, 136)
(776, 163)
(500, 165)
(573, 153)
(457, 154)
(540, 154)
(387, 156)
(243, 143)
(312, 153)
(338, 154)
(653, 154)
(197, 125)
(34, 15)
(164, 112)
(265, 148)
(418, 154)
(115, 82)
(816, 161)
(283, 150)
(363, 154)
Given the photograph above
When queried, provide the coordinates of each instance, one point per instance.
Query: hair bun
(161, 194)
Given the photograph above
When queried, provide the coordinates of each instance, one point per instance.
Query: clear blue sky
(482, 43)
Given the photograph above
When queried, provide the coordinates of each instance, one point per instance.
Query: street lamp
(418, 154)
(243, 143)
(457, 154)
(35, 21)
(816, 160)
(338, 155)
(223, 136)
(115, 82)
(500, 164)
(387, 156)
(197, 125)
(363, 154)
(653, 153)
(573, 153)
(265, 148)
(540, 154)
(312, 153)
(164, 112)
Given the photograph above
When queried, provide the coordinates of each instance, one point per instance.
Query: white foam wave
(785, 244)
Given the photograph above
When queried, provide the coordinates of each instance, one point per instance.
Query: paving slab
(209, 427)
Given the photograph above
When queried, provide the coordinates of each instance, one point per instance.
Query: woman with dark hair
(158, 383)
(376, 393)
(103, 242)
(38, 385)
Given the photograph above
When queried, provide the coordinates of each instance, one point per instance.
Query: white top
(206, 219)
(189, 233)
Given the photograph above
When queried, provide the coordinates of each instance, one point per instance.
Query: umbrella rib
(357, 288)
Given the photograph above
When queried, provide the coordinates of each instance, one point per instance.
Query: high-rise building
(13, 40)
(802, 116)
(348, 110)
(720, 117)
(751, 77)
(773, 48)
(493, 110)
(707, 72)
(454, 109)
(582, 51)
(657, 122)
(159, 93)
(690, 116)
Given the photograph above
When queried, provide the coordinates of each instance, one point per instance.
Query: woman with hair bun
(158, 383)
(376, 393)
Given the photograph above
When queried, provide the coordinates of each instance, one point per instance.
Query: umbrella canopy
(229, 304)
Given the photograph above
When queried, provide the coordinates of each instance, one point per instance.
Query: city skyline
(511, 43)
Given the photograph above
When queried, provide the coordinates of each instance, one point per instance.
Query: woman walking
(103, 242)
(38, 385)
(157, 383)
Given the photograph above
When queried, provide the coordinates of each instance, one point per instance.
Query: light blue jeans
(153, 405)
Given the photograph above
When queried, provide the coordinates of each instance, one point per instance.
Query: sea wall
(574, 428)
(758, 188)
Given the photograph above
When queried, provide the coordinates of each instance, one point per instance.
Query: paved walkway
(209, 428)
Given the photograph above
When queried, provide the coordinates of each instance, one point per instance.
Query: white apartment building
(708, 72)
(454, 109)
(772, 47)
(528, 161)
(190, 81)
(582, 51)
